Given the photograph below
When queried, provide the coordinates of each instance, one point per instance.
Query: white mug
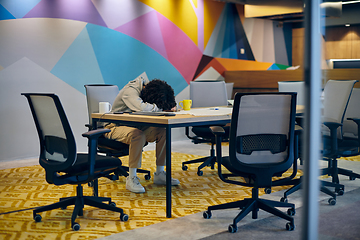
(104, 107)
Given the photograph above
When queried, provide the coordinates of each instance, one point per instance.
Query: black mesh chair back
(261, 146)
(262, 129)
(339, 133)
(206, 94)
(57, 142)
(99, 93)
(62, 164)
(96, 93)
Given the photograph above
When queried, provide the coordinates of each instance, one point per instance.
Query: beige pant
(136, 140)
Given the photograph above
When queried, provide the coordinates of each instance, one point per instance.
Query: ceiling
(348, 13)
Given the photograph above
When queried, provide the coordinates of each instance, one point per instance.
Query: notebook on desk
(154, 113)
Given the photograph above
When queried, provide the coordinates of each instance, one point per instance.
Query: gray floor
(196, 227)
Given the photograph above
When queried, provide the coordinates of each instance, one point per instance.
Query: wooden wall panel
(297, 46)
(339, 43)
(262, 81)
(355, 46)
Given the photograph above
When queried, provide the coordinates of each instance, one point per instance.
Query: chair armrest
(217, 130)
(89, 126)
(332, 125)
(94, 134)
(356, 120)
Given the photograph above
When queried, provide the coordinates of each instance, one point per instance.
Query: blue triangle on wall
(5, 14)
(235, 38)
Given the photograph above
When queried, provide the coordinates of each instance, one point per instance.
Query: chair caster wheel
(112, 204)
(200, 173)
(340, 192)
(114, 177)
(76, 226)
(290, 226)
(284, 200)
(184, 168)
(267, 190)
(147, 177)
(207, 214)
(37, 218)
(332, 201)
(124, 217)
(232, 228)
(352, 178)
(291, 211)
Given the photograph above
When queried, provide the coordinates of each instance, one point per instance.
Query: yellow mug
(185, 104)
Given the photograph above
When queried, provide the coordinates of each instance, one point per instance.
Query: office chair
(261, 146)
(205, 94)
(345, 144)
(333, 144)
(294, 86)
(229, 90)
(62, 164)
(350, 126)
(336, 97)
(96, 93)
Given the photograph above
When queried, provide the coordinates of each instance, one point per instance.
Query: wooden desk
(181, 120)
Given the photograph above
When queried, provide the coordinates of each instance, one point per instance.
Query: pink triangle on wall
(147, 30)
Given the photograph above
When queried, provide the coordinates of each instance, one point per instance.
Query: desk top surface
(167, 120)
(178, 119)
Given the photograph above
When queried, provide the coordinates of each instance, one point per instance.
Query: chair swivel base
(253, 205)
(339, 190)
(206, 162)
(340, 171)
(334, 171)
(146, 172)
(79, 202)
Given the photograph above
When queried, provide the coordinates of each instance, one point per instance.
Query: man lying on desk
(143, 95)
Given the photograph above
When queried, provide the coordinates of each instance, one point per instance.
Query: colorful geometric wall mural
(176, 42)
(45, 44)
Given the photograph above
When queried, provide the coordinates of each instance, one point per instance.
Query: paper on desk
(207, 111)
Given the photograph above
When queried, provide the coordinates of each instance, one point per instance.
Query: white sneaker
(160, 179)
(133, 185)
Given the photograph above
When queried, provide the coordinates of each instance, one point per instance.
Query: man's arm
(131, 98)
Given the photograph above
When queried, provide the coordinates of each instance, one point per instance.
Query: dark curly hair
(159, 92)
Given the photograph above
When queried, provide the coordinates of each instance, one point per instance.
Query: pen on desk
(214, 108)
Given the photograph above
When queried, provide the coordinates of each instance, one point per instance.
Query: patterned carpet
(22, 189)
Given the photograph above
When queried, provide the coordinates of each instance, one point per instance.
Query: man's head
(160, 93)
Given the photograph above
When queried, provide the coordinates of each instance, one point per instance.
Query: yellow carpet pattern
(22, 189)
(354, 158)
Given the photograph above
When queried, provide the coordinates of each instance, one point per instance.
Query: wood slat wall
(261, 81)
(342, 42)
(339, 43)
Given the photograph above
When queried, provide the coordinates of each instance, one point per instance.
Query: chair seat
(346, 147)
(249, 179)
(205, 132)
(112, 147)
(227, 164)
(80, 170)
(101, 163)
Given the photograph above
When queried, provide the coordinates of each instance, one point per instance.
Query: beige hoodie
(129, 99)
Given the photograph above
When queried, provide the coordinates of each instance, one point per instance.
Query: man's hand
(171, 110)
